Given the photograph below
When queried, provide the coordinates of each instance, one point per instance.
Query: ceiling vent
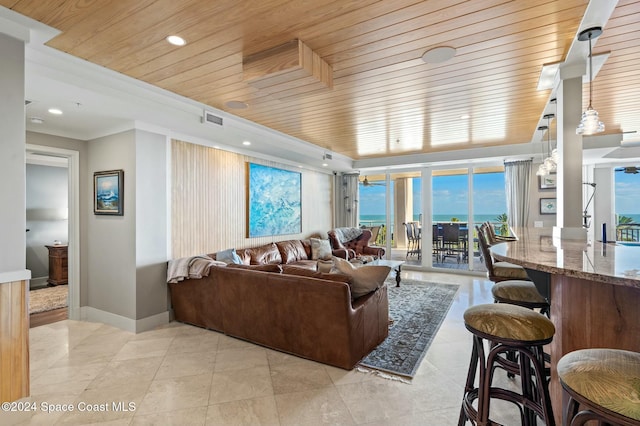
(211, 118)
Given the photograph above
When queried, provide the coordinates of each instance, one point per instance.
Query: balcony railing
(628, 232)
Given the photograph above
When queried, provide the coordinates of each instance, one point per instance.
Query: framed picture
(547, 206)
(273, 201)
(549, 181)
(108, 192)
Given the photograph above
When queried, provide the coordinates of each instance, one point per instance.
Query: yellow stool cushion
(609, 378)
(509, 270)
(517, 291)
(510, 322)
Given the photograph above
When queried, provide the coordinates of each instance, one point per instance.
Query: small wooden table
(395, 265)
(58, 265)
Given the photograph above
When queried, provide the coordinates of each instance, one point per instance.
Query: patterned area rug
(417, 309)
(47, 299)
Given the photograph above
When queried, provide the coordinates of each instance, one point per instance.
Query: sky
(450, 195)
(627, 189)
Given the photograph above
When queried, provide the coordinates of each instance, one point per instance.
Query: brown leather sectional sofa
(303, 313)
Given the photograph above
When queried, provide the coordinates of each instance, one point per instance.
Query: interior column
(569, 186)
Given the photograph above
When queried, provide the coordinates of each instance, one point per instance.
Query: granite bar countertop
(536, 249)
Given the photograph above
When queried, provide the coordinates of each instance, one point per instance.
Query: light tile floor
(185, 375)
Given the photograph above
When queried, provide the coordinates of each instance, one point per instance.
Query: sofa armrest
(373, 310)
(344, 253)
(374, 251)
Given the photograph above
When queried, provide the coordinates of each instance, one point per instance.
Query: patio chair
(413, 241)
(451, 244)
(436, 242)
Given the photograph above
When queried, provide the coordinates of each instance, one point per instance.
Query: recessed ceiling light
(36, 120)
(176, 40)
(237, 105)
(324, 164)
(438, 54)
(55, 111)
(247, 143)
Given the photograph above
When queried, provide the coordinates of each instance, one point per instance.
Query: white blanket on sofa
(190, 267)
(348, 234)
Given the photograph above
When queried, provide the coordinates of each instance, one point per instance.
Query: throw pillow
(228, 256)
(320, 249)
(365, 278)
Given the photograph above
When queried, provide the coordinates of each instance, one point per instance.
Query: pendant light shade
(543, 169)
(590, 122)
(550, 162)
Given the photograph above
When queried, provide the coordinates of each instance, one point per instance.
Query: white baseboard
(88, 313)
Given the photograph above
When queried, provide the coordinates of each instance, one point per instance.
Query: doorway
(50, 155)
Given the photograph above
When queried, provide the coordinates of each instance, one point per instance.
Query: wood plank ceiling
(384, 99)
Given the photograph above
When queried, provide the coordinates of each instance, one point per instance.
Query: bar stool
(498, 271)
(507, 328)
(604, 384)
(521, 293)
(525, 294)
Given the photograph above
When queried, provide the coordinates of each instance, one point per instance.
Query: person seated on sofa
(349, 243)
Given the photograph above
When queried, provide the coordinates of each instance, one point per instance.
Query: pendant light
(550, 163)
(542, 168)
(590, 123)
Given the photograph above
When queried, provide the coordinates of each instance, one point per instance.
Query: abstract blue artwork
(274, 201)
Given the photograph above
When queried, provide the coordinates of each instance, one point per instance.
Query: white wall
(548, 220)
(111, 245)
(604, 203)
(12, 155)
(151, 224)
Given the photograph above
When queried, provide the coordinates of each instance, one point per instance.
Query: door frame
(73, 171)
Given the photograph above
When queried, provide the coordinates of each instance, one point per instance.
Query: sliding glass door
(456, 201)
(627, 208)
(375, 212)
(463, 199)
(450, 217)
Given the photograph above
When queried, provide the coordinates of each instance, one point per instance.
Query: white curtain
(346, 205)
(517, 175)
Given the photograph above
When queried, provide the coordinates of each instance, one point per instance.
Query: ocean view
(379, 219)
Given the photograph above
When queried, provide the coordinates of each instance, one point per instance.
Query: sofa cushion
(307, 247)
(245, 255)
(296, 270)
(266, 254)
(307, 264)
(228, 256)
(320, 249)
(264, 268)
(324, 266)
(291, 251)
(366, 278)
